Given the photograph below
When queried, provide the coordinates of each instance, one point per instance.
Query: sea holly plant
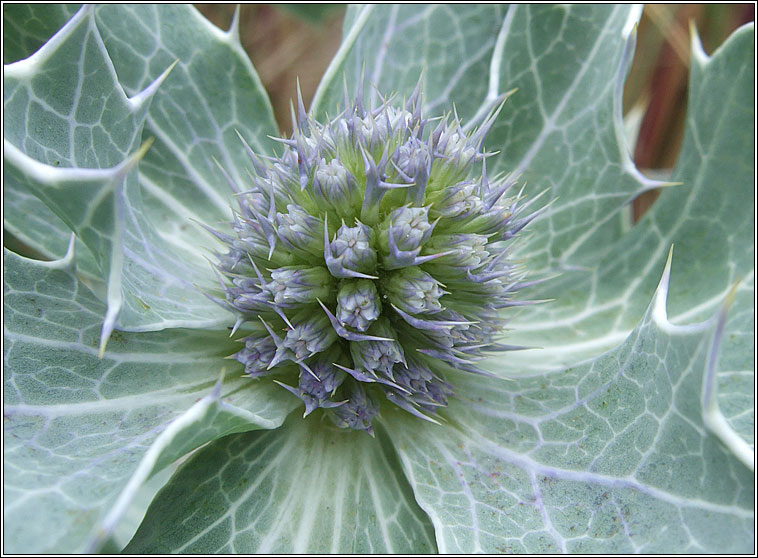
(219, 339)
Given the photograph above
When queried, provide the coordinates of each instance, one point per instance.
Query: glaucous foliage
(369, 266)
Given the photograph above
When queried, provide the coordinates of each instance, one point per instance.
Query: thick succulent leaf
(135, 511)
(300, 488)
(41, 230)
(66, 114)
(391, 45)
(736, 377)
(26, 27)
(147, 282)
(212, 94)
(709, 219)
(561, 131)
(209, 419)
(640, 449)
(63, 105)
(609, 456)
(78, 429)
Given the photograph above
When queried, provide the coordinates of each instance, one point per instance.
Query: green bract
(630, 428)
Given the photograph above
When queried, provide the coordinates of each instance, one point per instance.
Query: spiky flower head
(370, 261)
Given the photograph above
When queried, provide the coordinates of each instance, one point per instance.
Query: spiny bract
(371, 259)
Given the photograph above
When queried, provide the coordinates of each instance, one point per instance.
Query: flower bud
(375, 129)
(358, 304)
(323, 381)
(350, 254)
(334, 186)
(413, 291)
(423, 387)
(495, 221)
(299, 284)
(249, 301)
(311, 333)
(357, 412)
(371, 132)
(378, 356)
(412, 158)
(460, 200)
(401, 236)
(251, 241)
(317, 384)
(409, 228)
(257, 355)
(299, 231)
(452, 145)
(466, 251)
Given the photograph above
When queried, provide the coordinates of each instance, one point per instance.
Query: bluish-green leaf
(640, 449)
(561, 131)
(212, 94)
(32, 222)
(78, 429)
(302, 488)
(69, 128)
(736, 376)
(28, 26)
(709, 218)
(391, 45)
(610, 456)
(195, 130)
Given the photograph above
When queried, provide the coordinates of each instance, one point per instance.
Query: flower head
(373, 251)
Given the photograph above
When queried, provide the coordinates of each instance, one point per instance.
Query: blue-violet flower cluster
(370, 260)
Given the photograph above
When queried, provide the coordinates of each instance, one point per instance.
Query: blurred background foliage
(289, 41)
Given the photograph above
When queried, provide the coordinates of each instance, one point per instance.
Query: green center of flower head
(370, 261)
